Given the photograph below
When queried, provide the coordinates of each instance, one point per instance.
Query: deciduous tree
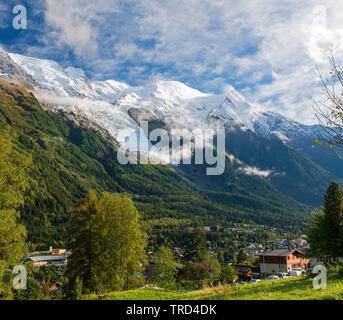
(228, 274)
(108, 245)
(13, 181)
(166, 268)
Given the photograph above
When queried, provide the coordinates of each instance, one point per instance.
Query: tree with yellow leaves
(107, 243)
(12, 184)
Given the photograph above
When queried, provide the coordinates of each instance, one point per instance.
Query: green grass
(288, 289)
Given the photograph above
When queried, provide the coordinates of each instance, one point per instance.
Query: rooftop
(279, 252)
(48, 258)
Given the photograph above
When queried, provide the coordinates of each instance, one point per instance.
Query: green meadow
(286, 289)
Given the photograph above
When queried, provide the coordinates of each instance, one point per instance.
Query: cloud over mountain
(268, 50)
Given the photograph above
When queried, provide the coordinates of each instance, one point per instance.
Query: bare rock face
(10, 71)
(167, 123)
(140, 115)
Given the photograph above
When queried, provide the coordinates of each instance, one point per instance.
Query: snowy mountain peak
(52, 77)
(167, 97)
(108, 102)
(176, 91)
(68, 82)
(233, 93)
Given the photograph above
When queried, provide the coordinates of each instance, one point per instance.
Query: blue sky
(266, 49)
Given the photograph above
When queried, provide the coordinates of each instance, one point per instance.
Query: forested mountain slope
(68, 161)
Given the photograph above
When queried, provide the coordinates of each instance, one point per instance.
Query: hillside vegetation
(68, 161)
(285, 289)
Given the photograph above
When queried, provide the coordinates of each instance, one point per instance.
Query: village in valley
(281, 259)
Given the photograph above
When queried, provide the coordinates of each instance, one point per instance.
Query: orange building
(282, 260)
(58, 252)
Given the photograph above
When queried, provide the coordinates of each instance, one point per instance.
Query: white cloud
(6, 15)
(268, 48)
(253, 171)
(71, 26)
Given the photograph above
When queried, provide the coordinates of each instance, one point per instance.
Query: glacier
(107, 103)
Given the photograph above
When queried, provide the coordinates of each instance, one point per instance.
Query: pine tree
(197, 250)
(198, 263)
(241, 257)
(85, 244)
(325, 235)
(333, 208)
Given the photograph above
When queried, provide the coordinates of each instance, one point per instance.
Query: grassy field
(288, 289)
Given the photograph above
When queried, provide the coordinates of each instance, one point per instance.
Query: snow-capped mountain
(107, 102)
(69, 82)
(264, 144)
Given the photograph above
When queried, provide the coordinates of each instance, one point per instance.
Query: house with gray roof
(56, 260)
(282, 260)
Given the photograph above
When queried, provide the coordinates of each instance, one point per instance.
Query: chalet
(56, 260)
(282, 260)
